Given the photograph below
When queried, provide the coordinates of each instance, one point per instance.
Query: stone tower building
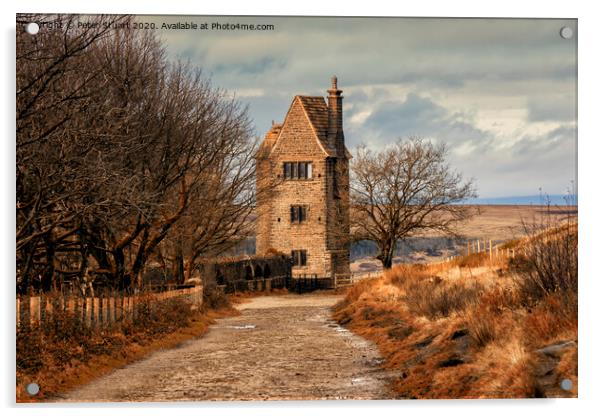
(303, 187)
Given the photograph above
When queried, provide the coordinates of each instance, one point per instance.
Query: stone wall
(250, 273)
(297, 143)
(325, 232)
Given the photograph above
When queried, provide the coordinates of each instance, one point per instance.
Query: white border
(590, 371)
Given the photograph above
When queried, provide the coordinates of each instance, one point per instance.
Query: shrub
(548, 264)
(63, 336)
(29, 349)
(214, 298)
(554, 316)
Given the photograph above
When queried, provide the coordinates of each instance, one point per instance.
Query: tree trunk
(30, 249)
(387, 250)
(119, 269)
(178, 263)
(137, 269)
(48, 274)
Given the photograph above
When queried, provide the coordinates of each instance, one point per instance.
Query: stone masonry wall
(324, 234)
(298, 144)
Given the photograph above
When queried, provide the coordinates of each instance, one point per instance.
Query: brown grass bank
(475, 329)
(64, 354)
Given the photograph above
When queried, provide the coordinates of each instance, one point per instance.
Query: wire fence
(493, 250)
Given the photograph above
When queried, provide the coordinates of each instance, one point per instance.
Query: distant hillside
(560, 200)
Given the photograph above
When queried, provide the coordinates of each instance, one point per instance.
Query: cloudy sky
(501, 93)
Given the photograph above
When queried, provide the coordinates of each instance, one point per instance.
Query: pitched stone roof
(269, 140)
(317, 113)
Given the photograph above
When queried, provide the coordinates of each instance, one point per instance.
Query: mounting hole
(278, 219)
(32, 28)
(566, 384)
(566, 32)
(32, 389)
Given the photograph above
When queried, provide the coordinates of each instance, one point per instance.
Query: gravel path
(279, 348)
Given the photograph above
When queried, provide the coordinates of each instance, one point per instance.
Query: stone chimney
(335, 116)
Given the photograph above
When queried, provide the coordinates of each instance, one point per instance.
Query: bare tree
(403, 190)
(54, 85)
(116, 147)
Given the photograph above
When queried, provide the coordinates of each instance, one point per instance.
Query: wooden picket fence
(103, 310)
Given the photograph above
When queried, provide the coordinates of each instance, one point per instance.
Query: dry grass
(471, 260)
(547, 264)
(63, 354)
(506, 222)
(454, 333)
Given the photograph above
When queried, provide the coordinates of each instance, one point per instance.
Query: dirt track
(279, 348)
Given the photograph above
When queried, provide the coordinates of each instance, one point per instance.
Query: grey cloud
(554, 108)
(420, 116)
(389, 68)
(546, 161)
(534, 161)
(254, 67)
(551, 150)
(443, 52)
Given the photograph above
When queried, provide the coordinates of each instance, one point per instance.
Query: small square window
(297, 170)
(298, 213)
(287, 170)
(299, 257)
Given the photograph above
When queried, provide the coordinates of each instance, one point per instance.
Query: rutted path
(279, 348)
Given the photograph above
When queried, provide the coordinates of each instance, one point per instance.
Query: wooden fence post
(112, 307)
(50, 306)
(122, 307)
(109, 308)
(34, 307)
(96, 306)
(134, 301)
(101, 309)
(43, 308)
(25, 311)
(131, 308)
(18, 311)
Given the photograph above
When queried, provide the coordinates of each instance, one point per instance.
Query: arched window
(248, 273)
(219, 277)
(267, 272)
(258, 272)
